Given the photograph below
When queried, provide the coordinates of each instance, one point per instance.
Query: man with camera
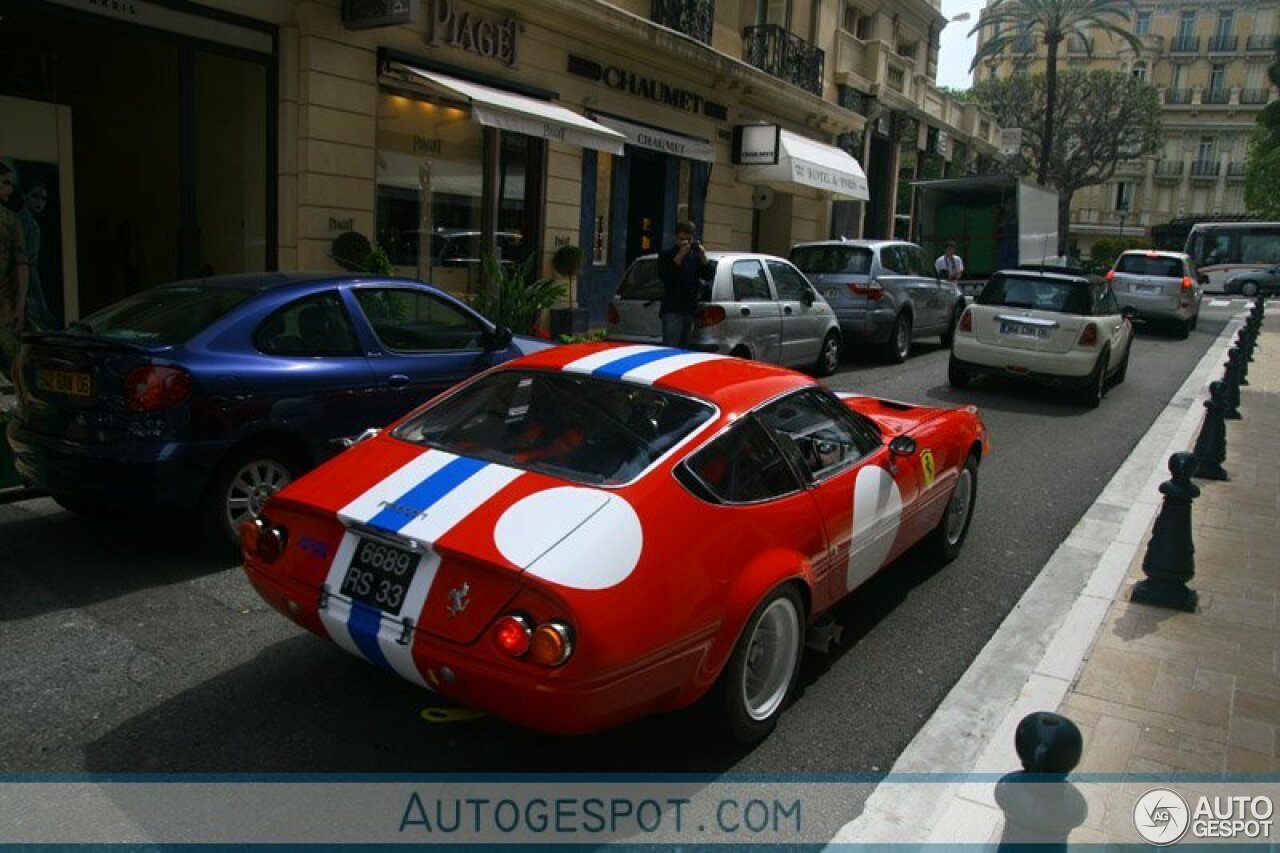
(681, 268)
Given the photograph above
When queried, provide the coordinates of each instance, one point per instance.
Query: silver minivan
(1159, 285)
(884, 292)
(754, 306)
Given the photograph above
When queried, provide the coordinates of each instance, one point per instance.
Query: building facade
(181, 139)
(1208, 62)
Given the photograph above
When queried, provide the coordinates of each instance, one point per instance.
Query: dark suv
(884, 292)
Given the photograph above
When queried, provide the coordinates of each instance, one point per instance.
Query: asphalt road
(126, 649)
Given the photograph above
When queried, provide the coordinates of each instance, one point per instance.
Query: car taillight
(258, 538)
(709, 315)
(512, 634)
(1110, 276)
(966, 321)
(1187, 283)
(612, 315)
(872, 290)
(151, 387)
(549, 644)
(552, 644)
(1089, 337)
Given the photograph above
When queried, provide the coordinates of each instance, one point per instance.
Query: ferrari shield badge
(458, 598)
(927, 467)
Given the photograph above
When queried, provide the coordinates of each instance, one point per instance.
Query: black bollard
(1170, 560)
(1231, 379)
(1211, 444)
(1247, 339)
(1241, 354)
(1040, 805)
(1048, 743)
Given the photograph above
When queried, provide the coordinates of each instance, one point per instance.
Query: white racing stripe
(596, 360)
(651, 373)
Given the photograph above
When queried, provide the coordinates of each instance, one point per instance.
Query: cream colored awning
(520, 113)
(809, 163)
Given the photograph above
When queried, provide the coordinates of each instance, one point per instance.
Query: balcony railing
(785, 55)
(1205, 168)
(1260, 42)
(691, 17)
(1185, 44)
(1254, 96)
(1235, 169)
(1214, 96)
(1169, 169)
(1177, 96)
(1223, 44)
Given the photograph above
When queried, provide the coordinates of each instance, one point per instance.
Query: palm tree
(1053, 21)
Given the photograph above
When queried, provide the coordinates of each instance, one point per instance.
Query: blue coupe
(211, 394)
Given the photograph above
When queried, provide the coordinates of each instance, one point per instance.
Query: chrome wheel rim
(958, 511)
(772, 653)
(904, 338)
(250, 488)
(1248, 289)
(831, 355)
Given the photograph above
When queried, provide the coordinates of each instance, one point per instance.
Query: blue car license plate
(379, 574)
(64, 382)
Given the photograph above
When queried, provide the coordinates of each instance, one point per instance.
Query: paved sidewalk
(1154, 691)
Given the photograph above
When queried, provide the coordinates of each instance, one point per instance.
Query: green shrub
(516, 301)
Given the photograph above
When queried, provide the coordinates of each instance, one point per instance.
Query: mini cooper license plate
(379, 574)
(1024, 330)
(63, 382)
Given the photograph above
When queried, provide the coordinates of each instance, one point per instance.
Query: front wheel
(1249, 289)
(898, 347)
(828, 356)
(763, 667)
(948, 537)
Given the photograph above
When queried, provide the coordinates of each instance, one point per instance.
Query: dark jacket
(681, 282)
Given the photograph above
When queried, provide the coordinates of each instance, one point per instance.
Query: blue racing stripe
(404, 509)
(363, 625)
(615, 369)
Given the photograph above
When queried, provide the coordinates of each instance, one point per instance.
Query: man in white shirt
(950, 265)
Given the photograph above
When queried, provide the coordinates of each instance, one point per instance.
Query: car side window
(741, 466)
(924, 266)
(313, 326)
(787, 279)
(891, 261)
(819, 432)
(417, 321)
(749, 283)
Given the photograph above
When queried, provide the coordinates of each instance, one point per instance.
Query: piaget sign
(491, 38)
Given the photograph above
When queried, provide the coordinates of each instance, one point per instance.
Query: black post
(1231, 378)
(1211, 444)
(1170, 561)
(1241, 355)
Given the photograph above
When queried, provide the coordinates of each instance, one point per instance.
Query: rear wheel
(1091, 395)
(828, 356)
(239, 489)
(763, 667)
(1249, 289)
(957, 375)
(898, 347)
(948, 537)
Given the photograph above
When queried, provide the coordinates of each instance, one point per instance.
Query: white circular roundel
(579, 538)
(877, 509)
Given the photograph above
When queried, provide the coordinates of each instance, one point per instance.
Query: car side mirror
(807, 297)
(499, 338)
(902, 445)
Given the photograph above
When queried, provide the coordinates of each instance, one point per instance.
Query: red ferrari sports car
(596, 532)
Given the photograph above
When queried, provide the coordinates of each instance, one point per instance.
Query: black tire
(948, 537)
(1195, 321)
(753, 688)
(238, 489)
(1096, 388)
(828, 355)
(1183, 329)
(1123, 371)
(958, 376)
(1249, 289)
(949, 336)
(898, 347)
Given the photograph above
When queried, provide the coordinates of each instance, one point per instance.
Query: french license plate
(63, 382)
(1024, 330)
(1153, 289)
(379, 574)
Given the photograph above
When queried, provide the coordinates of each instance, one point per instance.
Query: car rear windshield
(169, 314)
(822, 260)
(580, 428)
(1156, 265)
(1045, 294)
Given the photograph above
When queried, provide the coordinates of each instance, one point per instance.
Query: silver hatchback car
(884, 292)
(754, 306)
(1159, 285)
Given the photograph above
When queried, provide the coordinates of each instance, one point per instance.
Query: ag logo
(1161, 816)
(928, 467)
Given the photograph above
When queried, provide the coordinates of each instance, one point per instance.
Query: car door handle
(744, 311)
(398, 380)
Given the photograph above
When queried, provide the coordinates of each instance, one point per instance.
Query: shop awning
(657, 140)
(520, 113)
(812, 164)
